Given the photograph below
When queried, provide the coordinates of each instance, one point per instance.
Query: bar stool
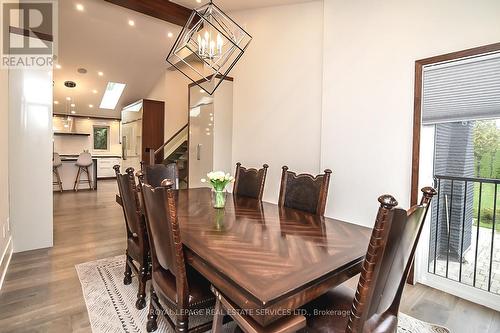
(56, 163)
(83, 163)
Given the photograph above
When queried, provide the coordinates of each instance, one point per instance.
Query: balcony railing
(464, 244)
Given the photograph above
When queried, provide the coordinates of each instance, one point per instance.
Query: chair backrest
(84, 159)
(164, 233)
(156, 173)
(387, 264)
(129, 194)
(304, 192)
(56, 160)
(250, 182)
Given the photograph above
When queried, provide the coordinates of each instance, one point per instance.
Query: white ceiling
(233, 5)
(100, 39)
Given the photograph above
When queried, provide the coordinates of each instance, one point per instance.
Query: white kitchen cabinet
(105, 167)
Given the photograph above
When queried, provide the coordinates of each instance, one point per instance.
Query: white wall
(30, 162)
(370, 50)
(277, 91)
(74, 145)
(4, 170)
(172, 88)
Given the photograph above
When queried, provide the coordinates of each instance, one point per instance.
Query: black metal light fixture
(208, 47)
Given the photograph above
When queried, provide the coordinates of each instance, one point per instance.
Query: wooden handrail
(152, 153)
(157, 151)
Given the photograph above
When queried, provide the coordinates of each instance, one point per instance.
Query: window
(101, 137)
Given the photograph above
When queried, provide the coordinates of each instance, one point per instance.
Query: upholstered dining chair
(250, 182)
(303, 191)
(155, 174)
(375, 304)
(174, 284)
(137, 239)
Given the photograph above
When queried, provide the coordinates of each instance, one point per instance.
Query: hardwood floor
(42, 293)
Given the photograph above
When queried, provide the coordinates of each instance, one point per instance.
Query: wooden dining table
(267, 259)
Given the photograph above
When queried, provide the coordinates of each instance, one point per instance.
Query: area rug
(111, 304)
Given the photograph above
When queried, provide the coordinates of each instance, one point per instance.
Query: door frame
(417, 125)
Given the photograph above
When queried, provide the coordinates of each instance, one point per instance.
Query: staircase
(180, 157)
(176, 150)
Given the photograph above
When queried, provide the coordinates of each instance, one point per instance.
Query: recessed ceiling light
(198, 1)
(73, 112)
(202, 91)
(100, 73)
(131, 23)
(91, 106)
(170, 35)
(94, 91)
(56, 102)
(73, 105)
(58, 66)
(68, 98)
(112, 95)
(80, 7)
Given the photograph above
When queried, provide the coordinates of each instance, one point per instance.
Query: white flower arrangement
(218, 179)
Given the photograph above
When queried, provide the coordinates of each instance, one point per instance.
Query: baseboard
(5, 261)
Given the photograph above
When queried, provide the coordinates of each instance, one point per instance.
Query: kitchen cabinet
(142, 129)
(105, 166)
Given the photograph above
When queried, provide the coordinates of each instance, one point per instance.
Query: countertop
(93, 156)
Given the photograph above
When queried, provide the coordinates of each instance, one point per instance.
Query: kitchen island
(68, 171)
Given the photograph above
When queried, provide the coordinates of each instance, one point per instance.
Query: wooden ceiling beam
(160, 9)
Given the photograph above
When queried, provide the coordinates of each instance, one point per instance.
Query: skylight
(112, 95)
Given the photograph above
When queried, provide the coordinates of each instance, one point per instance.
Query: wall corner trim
(5, 261)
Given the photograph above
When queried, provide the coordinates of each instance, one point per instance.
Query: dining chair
(250, 182)
(174, 284)
(137, 238)
(83, 163)
(224, 307)
(374, 306)
(56, 164)
(156, 173)
(304, 191)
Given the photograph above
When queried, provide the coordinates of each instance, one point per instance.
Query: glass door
(459, 251)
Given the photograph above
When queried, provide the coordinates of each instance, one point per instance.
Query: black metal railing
(462, 206)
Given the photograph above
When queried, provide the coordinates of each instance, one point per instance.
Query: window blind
(462, 90)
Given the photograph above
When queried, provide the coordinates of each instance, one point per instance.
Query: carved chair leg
(128, 272)
(152, 324)
(141, 295)
(218, 317)
(182, 323)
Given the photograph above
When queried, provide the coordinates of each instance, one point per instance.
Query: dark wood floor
(42, 293)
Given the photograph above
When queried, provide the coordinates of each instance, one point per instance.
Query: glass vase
(219, 198)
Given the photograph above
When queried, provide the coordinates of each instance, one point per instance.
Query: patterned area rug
(111, 304)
